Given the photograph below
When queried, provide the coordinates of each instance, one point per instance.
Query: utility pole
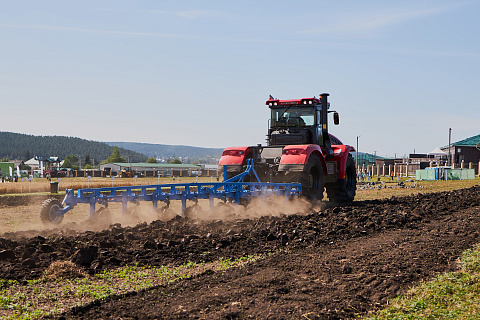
(79, 161)
(357, 150)
(449, 147)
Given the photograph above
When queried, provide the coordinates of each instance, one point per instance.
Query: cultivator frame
(233, 189)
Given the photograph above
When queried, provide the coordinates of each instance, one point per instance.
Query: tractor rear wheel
(49, 212)
(312, 178)
(343, 191)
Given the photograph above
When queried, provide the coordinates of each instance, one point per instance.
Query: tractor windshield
(292, 116)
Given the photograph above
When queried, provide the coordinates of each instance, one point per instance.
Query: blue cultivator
(233, 190)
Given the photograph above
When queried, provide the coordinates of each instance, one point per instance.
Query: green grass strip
(452, 295)
(52, 296)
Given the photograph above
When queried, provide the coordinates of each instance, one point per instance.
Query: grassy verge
(65, 286)
(389, 189)
(452, 295)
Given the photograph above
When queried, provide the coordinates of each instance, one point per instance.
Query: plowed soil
(339, 263)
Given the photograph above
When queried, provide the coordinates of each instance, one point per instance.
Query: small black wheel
(312, 178)
(49, 212)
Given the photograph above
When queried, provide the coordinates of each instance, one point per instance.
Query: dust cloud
(26, 218)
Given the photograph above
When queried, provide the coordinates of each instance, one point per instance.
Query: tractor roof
(277, 103)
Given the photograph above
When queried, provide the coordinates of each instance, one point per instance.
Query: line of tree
(24, 147)
(169, 151)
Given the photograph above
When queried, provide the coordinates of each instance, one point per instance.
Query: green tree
(88, 166)
(69, 162)
(72, 158)
(174, 161)
(115, 156)
(4, 159)
(152, 160)
(87, 159)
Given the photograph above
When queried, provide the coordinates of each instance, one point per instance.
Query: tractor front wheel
(49, 212)
(312, 178)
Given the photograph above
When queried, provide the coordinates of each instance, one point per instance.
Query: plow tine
(211, 198)
(92, 207)
(184, 204)
(124, 203)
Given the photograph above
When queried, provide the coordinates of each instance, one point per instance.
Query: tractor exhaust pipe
(324, 120)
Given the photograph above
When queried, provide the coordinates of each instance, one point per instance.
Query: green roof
(156, 165)
(469, 142)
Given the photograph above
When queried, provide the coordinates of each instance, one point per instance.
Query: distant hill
(22, 146)
(169, 151)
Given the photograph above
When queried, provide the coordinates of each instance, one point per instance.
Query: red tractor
(299, 149)
(54, 172)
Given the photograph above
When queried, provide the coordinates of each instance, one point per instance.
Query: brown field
(295, 261)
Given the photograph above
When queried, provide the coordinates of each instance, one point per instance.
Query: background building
(162, 169)
(464, 151)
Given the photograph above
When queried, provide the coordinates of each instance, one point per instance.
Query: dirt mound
(65, 270)
(333, 264)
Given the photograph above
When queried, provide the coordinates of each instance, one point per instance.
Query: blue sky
(400, 73)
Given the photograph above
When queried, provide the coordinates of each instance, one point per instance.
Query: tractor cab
(299, 121)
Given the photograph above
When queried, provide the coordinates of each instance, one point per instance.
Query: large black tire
(312, 178)
(48, 212)
(343, 191)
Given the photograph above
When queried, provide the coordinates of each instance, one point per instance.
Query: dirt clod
(65, 270)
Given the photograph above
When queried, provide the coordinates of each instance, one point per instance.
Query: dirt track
(335, 264)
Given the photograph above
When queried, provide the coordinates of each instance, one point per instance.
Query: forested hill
(169, 151)
(24, 147)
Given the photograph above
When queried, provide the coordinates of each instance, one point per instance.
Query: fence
(149, 173)
(409, 170)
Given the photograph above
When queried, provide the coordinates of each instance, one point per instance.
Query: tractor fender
(295, 157)
(234, 158)
(340, 155)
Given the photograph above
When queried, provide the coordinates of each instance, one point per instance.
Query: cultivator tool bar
(233, 190)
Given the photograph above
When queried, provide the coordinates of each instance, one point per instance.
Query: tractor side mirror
(336, 118)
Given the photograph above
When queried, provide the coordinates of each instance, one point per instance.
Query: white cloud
(362, 22)
(86, 30)
(194, 14)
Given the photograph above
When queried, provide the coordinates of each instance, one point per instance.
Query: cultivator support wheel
(50, 212)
